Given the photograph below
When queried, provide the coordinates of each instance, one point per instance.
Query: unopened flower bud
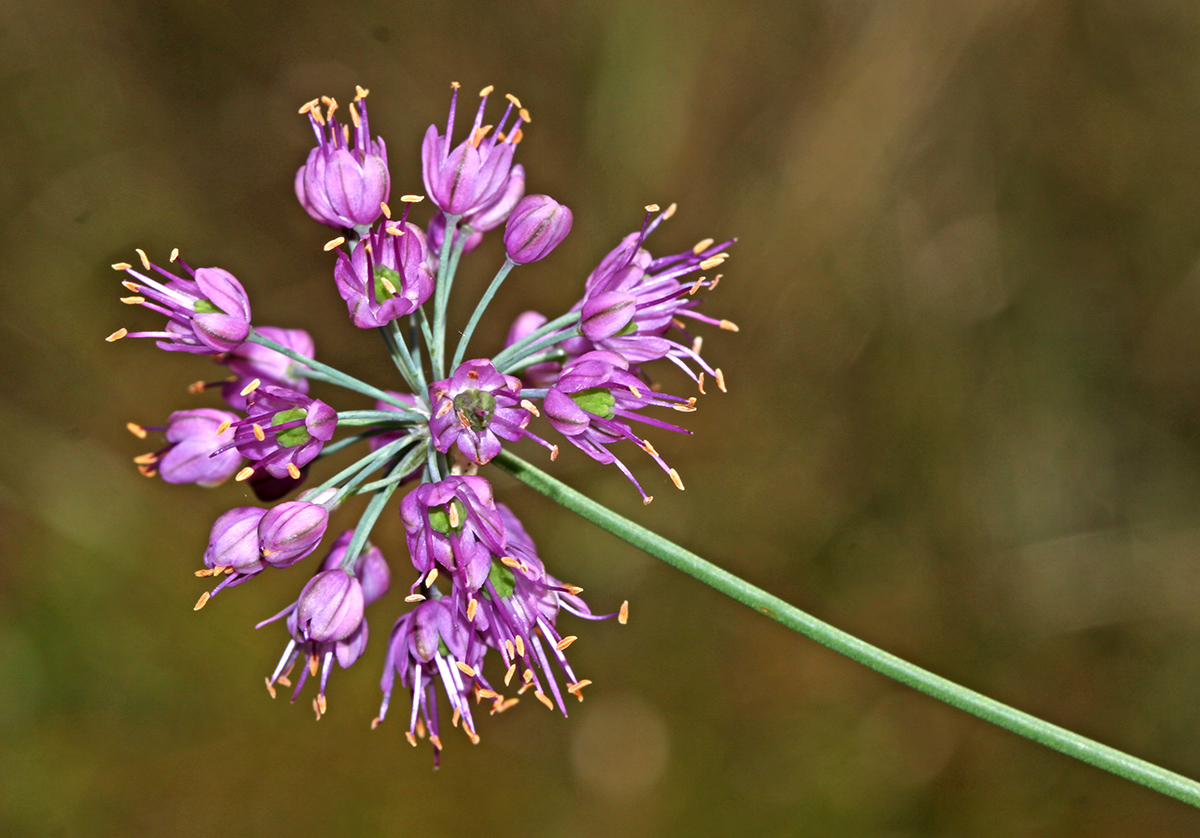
(330, 607)
(538, 224)
(233, 541)
(291, 531)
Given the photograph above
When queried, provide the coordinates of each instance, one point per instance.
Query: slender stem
(399, 352)
(363, 464)
(332, 375)
(461, 350)
(1009, 718)
(534, 393)
(548, 341)
(441, 295)
(520, 348)
(367, 522)
(541, 357)
(347, 442)
(370, 417)
(409, 464)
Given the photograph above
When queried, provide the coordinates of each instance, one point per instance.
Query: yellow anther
(699, 384)
(636, 392)
(244, 474)
(508, 647)
(354, 118)
(414, 598)
(136, 429)
(387, 284)
(293, 471)
(508, 676)
(200, 603)
(507, 561)
(714, 282)
(472, 607)
(117, 335)
(721, 380)
(486, 91)
(711, 263)
(527, 675)
(530, 406)
(649, 499)
(259, 434)
(565, 642)
(393, 231)
(729, 326)
(308, 106)
(453, 515)
(360, 93)
(131, 286)
(701, 246)
(487, 694)
(697, 344)
(412, 199)
(516, 102)
(651, 207)
(520, 641)
(455, 85)
(224, 426)
(270, 688)
(573, 590)
(332, 243)
(465, 669)
(623, 614)
(478, 136)
(431, 578)
(121, 266)
(541, 696)
(174, 254)
(524, 114)
(670, 211)
(516, 137)
(251, 387)
(387, 211)
(146, 459)
(676, 479)
(412, 740)
(142, 255)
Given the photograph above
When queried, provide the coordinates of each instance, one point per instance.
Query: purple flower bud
(192, 456)
(537, 225)
(233, 541)
(330, 607)
(387, 276)
(208, 314)
(370, 568)
(291, 531)
(284, 430)
(345, 180)
(605, 315)
(466, 178)
(253, 360)
(453, 523)
(475, 408)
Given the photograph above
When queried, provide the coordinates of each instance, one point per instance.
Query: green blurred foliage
(962, 418)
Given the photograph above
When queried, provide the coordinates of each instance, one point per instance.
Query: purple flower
(233, 549)
(251, 361)
(427, 645)
(475, 408)
(291, 531)
(496, 212)
(345, 180)
(594, 396)
(537, 375)
(466, 179)
(387, 276)
(537, 225)
(206, 315)
(284, 430)
(454, 524)
(631, 300)
(198, 450)
(370, 568)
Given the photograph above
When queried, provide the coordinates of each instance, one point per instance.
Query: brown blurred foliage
(962, 418)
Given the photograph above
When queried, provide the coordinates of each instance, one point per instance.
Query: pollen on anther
(676, 479)
(565, 642)
(393, 231)
(465, 669)
(293, 471)
(711, 263)
(623, 614)
(308, 106)
(146, 471)
(387, 211)
(453, 516)
(636, 392)
(527, 675)
(431, 578)
(200, 603)
(472, 607)
(455, 85)
(487, 90)
(360, 93)
(142, 255)
(224, 426)
(414, 598)
(542, 697)
(412, 199)
(146, 459)
(133, 301)
(387, 283)
(121, 266)
(332, 243)
(729, 326)
(649, 499)
(573, 590)
(412, 740)
(720, 380)
(244, 474)
(131, 286)
(516, 102)
(259, 433)
(270, 688)
(508, 676)
(670, 211)
(553, 453)
(714, 282)
(355, 119)
(174, 254)
(697, 344)
(520, 641)
(516, 137)
(509, 561)
(136, 429)
(696, 286)
(701, 246)
(524, 113)
(700, 383)
(651, 207)
(251, 387)
(117, 335)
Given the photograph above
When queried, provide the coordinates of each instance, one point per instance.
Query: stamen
(714, 282)
(651, 207)
(308, 106)
(623, 614)
(520, 641)
(649, 499)
(142, 255)
(465, 669)
(487, 694)
(224, 426)
(455, 85)
(553, 453)
(676, 479)
(258, 432)
(508, 676)
(354, 118)
(453, 516)
(431, 578)
(244, 474)
(729, 326)
(270, 688)
(720, 379)
(146, 471)
(509, 561)
(132, 286)
(332, 243)
(387, 211)
(322, 705)
(360, 93)
(516, 137)
(573, 590)
(387, 283)
(133, 301)
(293, 471)
(200, 603)
(393, 231)
(527, 675)
(504, 705)
(414, 598)
(697, 344)
(696, 286)
(375, 722)
(146, 459)
(480, 134)
(670, 211)
(412, 740)
(117, 335)
(700, 384)
(701, 246)
(541, 696)
(251, 387)
(136, 429)
(174, 254)
(516, 102)
(525, 115)
(636, 392)
(565, 642)
(313, 664)
(711, 263)
(454, 718)
(473, 374)
(531, 407)
(649, 449)
(472, 607)
(121, 266)
(412, 199)
(345, 132)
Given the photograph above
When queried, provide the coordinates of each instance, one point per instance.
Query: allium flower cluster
(483, 611)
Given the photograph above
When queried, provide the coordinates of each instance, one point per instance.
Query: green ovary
(290, 437)
(597, 401)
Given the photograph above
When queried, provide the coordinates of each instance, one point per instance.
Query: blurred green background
(961, 421)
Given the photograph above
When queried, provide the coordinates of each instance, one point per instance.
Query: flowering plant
(479, 589)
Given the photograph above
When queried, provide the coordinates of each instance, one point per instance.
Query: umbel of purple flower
(479, 589)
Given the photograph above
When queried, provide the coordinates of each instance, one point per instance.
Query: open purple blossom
(429, 645)
(198, 448)
(283, 431)
(251, 361)
(466, 178)
(593, 401)
(387, 276)
(453, 524)
(345, 180)
(538, 224)
(475, 408)
(631, 301)
(207, 314)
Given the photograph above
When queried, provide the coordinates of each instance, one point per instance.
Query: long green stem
(350, 418)
(521, 348)
(332, 375)
(1009, 718)
(534, 349)
(367, 522)
(441, 296)
(394, 341)
(461, 349)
